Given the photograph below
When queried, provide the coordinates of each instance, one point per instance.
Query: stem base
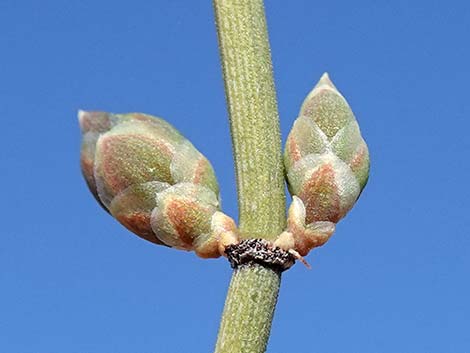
(249, 309)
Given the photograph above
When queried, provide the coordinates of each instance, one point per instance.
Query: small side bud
(285, 241)
(327, 165)
(224, 233)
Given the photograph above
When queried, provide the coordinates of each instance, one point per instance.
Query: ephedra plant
(150, 178)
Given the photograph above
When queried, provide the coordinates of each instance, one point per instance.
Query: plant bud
(327, 165)
(151, 179)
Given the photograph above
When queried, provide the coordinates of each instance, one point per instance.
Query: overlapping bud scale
(159, 186)
(154, 181)
(327, 164)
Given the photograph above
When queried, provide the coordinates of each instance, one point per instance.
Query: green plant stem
(249, 309)
(254, 122)
(254, 119)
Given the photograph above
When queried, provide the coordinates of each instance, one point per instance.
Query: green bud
(144, 172)
(327, 165)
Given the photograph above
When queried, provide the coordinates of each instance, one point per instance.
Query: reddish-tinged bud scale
(183, 212)
(153, 181)
(133, 208)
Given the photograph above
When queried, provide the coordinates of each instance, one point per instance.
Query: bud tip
(325, 82)
(325, 78)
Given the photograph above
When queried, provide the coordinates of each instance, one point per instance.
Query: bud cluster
(159, 186)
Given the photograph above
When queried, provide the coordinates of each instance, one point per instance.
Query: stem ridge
(254, 124)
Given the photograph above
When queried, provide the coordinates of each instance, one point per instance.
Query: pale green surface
(248, 312)
(254, 121)
(251, 98)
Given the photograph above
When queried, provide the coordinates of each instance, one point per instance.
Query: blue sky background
(394, 278)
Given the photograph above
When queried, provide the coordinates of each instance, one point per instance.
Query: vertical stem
(249, 309)
(254, 122)
(254, 119)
